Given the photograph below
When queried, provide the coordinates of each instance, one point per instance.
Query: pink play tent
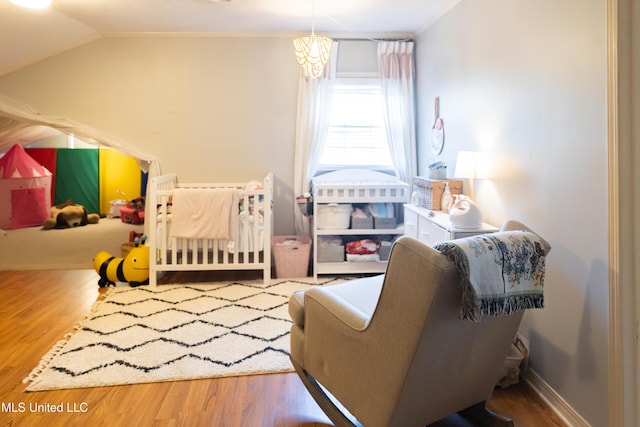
(25, 190)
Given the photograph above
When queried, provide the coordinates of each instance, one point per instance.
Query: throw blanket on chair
(499, 272)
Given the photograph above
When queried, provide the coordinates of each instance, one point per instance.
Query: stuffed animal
(68, 215)
(133, 268)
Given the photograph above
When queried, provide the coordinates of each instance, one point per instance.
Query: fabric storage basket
(291, 255)
(385, 250)
(430, 190)
(384, 223)
(333, 216)
(361, 223)
(330, 249)
(331, 253)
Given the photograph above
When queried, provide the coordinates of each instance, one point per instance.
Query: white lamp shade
(465, 165)
(472, 165)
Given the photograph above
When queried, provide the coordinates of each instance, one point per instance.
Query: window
(356, 135)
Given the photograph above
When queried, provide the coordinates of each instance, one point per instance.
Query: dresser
(432, 227)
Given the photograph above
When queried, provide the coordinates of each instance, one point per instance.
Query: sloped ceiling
(28, 36)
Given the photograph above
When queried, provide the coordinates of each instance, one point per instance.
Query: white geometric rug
(176, 332)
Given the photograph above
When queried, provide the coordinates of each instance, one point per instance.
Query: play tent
(25, 190)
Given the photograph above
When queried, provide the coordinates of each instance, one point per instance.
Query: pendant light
(313, 51)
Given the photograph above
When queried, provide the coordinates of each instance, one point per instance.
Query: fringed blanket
(500, 272)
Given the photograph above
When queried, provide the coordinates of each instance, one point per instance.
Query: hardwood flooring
(37, 309)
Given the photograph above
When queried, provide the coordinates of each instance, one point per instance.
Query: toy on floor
(133, 268)
(68, 215)
(133, 212)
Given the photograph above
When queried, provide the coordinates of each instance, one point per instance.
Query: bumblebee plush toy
(133, 268)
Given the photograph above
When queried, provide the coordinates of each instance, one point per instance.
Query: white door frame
(623, 53)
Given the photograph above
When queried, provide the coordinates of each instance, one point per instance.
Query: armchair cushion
(353, 301)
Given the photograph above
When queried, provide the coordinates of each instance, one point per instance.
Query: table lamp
(471, 165)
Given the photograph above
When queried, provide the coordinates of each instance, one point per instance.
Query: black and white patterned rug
(175, 332)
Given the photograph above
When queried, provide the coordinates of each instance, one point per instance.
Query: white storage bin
(333, 216)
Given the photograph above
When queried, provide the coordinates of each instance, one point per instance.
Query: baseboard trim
(560, 406)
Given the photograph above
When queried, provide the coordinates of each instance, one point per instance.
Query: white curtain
(312, 124)
(397, 73)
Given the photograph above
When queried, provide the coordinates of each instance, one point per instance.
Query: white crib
(251, 250)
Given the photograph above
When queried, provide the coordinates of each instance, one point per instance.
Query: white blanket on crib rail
(205, 213)
(255, 239)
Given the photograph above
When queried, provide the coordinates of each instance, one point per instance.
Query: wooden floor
(37, 308)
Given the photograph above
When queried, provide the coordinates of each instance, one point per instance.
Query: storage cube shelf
(355, 187)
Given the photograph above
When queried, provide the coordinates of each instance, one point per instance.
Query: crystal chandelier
(312, 52)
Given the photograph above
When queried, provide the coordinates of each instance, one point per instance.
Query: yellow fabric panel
(118, 172)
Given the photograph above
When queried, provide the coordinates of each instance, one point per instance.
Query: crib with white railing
(250, 250)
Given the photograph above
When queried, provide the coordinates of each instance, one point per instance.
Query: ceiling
(28, 36)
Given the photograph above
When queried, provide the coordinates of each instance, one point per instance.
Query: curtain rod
(356, 39)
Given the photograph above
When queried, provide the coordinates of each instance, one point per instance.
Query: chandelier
(312, 52)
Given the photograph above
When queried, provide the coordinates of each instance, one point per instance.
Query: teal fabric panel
(78, 178)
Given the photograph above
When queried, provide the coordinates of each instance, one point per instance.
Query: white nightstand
(432, 227)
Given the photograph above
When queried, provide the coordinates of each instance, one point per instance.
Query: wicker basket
(430, 191)
(125, 248)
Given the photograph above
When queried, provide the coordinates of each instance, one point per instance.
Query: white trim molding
(557, 404)
(623, 35)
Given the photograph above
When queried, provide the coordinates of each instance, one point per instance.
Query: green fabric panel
(78, 178)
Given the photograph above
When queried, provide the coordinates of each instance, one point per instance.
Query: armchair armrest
(341, 309)
(353, 303)
(358, 297)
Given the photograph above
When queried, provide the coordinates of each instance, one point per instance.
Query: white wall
(526, 82)
(211, 109)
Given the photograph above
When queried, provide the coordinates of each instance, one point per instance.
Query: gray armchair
(392, 350)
